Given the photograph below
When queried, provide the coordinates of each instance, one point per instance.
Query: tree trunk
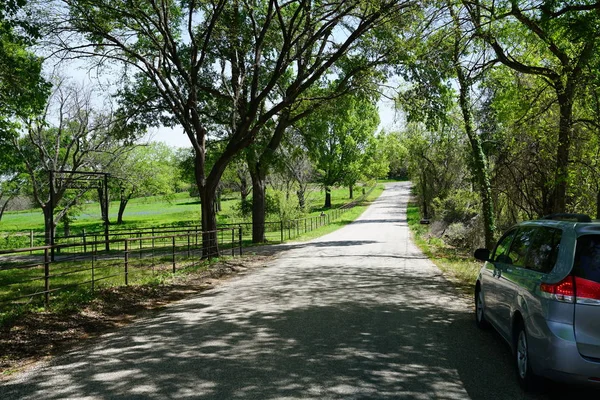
(122, 204)
(49, 226)
(327, 197)
(3, 208)
(424, 195)
(480, 165)
(67, 226)
(351, 189)
(102, 201)
(258, 204)
(207, 189)
(301, 198)
(562, 153)
(210, 244)
(218, 202)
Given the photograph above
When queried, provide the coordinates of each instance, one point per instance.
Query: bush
(277, 206)
(458, 206)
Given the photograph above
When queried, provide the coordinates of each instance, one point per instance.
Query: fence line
(30, 273)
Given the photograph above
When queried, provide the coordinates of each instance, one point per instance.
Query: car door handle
(497, 273)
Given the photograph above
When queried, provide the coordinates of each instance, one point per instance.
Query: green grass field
(150, 261)
(158, 211)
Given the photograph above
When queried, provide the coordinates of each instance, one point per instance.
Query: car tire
(480, 320)
(525, 376)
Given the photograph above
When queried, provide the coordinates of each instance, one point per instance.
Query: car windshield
(587, 258)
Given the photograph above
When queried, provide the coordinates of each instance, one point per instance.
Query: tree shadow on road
(369, 333)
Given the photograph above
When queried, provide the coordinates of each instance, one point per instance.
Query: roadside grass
(348, 217)
(458, 265)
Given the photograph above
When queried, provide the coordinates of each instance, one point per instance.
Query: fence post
(84, 242)
(232, 242)
(93, 262)
(240, 235)
(46, 278)
(281, 227)
(126, 262)
(173, 253)
(31, 241)
(188, 239)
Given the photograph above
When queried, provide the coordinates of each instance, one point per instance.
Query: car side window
(520, 246)
(502, 248)
(543, 250)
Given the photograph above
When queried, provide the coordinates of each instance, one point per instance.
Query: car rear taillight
(561, 291)
(587, 291)
(572, 289)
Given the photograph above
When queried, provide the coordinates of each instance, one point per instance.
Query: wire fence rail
(33, 275)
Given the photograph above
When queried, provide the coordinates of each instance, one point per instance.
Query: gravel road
(357, 314)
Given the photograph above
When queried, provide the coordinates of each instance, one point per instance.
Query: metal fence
(30, 275)
(36, 273)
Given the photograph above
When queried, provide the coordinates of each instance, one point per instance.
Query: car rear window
(587, 258)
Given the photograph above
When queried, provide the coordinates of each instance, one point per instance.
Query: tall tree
(65, 140)
(235, 63)
(23, 91)
(446, 56)
(553, 40)
(336, 136)
(145, 170)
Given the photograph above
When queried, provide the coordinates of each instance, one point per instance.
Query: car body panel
(587, 312)
(564, 337)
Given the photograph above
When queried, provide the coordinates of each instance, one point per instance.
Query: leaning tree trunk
(351, 189)
(3, 208)
(480, 165)
(122, 204)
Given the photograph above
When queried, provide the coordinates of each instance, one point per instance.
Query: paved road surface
(357, 314)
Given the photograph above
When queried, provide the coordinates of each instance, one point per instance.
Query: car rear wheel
(480, 309)
(525, 375)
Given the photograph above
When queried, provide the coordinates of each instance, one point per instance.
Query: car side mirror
(482, 254)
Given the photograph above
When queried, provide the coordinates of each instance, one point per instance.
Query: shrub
(458, 206)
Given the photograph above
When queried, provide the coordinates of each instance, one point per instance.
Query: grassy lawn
(461, 267)
(180, 209)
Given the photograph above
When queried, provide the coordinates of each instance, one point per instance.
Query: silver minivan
(540, 289)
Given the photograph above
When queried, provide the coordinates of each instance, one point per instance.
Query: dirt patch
(36, 337)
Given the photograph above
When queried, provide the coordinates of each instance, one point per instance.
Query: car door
(540, 244)
(491, 274)
(510, 275)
